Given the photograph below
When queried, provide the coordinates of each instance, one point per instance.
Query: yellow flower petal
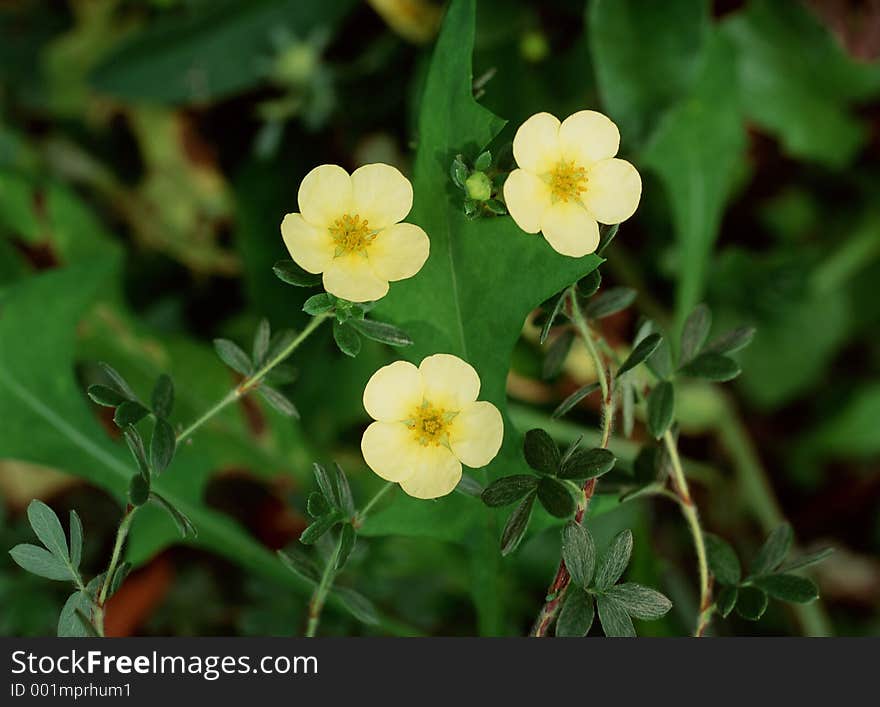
(475, 434)
(449, 382)
(351, 277)
(527, 198)
(381, 194)
(536, 143)
(570, 230)
(325, 194)
(587, 137)
(437, 473)
(388, 449)
(393, 392)
(399, 251)
(614, 188)
(311, 247)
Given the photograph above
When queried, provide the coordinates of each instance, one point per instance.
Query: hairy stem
(689, 510)
(559, 585)
(121, 535)
(316, 605)
(253, 380)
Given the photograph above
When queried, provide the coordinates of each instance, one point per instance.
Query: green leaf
(640, 602)
(555, 497)
(483, 161)
(517, 524)
(185, 526)
(541, 451)
(301, 565)
(106, 396)
(136, 447)
(569, 403)
(613, 563)
(347, 339)
(47, 528)
(773, 551)
(751, 603)
(461, 302)
(577, 614)
(326, 485)
(587, 464)
(695, 332)
(731, 341)
(558, 307)
(343, 490)
(232, 355)
(640, 353)
(579, 553)
(788, 587)
(808, 560)
(611, 301)
(645, 56)
(381, 332)
(318, 527)
(713, 367)
(278, 401)
(119, 383)
(357, 605)
(162, 445)
(696, 152)
(616, 623)
(317, 505)
(347, 538)
(262, 339)
(459, 172)
(661, 407)
(319, 304)
(507, 489)
(722, 560)
(557, 352)
(129, 413)
(589, 285)
(41, 562)
(660, 362)
(727, 600)
(162, 399)
(291, 273)
(76, 540)
(138, 490)
(71, 621)
(184, 57)
(119, 574)
(606, 235)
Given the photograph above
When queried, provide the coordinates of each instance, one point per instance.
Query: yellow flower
(429, 423)
(568, 181)
(349, 229)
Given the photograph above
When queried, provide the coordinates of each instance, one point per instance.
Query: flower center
(567, 181)
(430, 424)
(351, 234)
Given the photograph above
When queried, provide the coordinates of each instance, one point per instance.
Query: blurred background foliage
(149, 149)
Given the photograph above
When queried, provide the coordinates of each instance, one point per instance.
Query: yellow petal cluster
(568, 180)
(428, 423)
(349, 228)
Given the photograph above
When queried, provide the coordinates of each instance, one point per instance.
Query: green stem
(362, 514)
(689, 510)
(253, 380)
(121, 535)
(316, 605)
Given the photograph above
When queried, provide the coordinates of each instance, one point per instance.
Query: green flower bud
(478, 186)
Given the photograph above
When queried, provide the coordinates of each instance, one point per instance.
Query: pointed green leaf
(262, 338)
(76, 539)
(318, 527)
(569, 403)
(773, 551)
(162, 399)
(347, 539)
(41, 562)
(232, 355)
(291, 273)
(162, 445)
(732, 341)
(610, 301)
(541, 452)
(47, 528)
(508, 489)
(301, 565)
(722, 560)
(555, 497)
(661, 407)
(587, 464)
(382, 332)
(557, 352)
(129, 413)
(106, 396)
(640, 353)
(613, 563)
(558, 306)
(788, 587)
(278, 401)
(517, 524)
(319, 304)
(640, 602)
(616, 623)
(712, 366)
(695, 332)
(347, 339)
(726, 600)
(751, 603)
(577, 614)
(579, 553)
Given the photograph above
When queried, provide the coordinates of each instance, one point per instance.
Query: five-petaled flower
(568, 180)
(349, 229)
(428, 423)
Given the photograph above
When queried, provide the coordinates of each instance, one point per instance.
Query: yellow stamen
(351, 234)
(567, 181)
(430, 424)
